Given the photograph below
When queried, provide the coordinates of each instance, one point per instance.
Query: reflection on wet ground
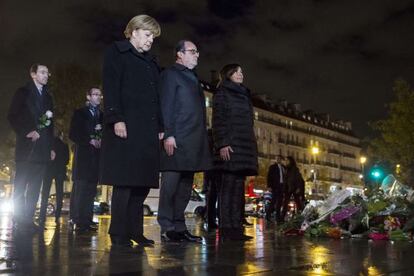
(60, 252)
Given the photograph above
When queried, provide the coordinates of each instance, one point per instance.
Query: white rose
(49, 114)
(98, 127)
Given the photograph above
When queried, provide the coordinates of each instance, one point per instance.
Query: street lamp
(398, 169)
(314, 151)
(363, 160)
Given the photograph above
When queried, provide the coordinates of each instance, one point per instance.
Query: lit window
(256, 115)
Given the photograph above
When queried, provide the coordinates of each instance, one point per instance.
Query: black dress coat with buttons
(233, 126)
(130, 89)
(184, 114)
(85, 164)
(25, 110)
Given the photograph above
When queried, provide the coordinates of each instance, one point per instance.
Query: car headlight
(6, 207)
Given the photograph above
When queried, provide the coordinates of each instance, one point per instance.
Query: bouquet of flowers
(97, 134)
(45, 120)
(344, 213)
(391, 223)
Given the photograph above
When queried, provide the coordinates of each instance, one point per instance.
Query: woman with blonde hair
(132, 128)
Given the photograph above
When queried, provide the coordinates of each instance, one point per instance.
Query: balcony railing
(297, 144)
(349, 169)
(349, 155)
(334, 151)
(304, 130)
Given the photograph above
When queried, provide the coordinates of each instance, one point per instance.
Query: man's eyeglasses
(44, 73)
(192, 51)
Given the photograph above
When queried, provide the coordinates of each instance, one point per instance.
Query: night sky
(333, 56)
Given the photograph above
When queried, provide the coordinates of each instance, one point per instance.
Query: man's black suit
(275, 181)
(27, 106)
(85, 164)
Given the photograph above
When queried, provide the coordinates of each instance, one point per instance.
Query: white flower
(47, 123)
(49, 114)
(98, 127)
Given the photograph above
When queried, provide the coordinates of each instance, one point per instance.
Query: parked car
(196, 205)
(98, 207)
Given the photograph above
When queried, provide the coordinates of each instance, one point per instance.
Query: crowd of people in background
(153, 122)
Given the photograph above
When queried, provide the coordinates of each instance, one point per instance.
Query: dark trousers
(213, 184)
(175, 193)
(47, 183)
(82, 198)
(27, 183)
(127, 215)
(230, 199)
(275, 204)
(243, 206)
(286, 198)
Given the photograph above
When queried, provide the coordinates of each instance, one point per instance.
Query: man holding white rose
(86, 132)
(31, 117)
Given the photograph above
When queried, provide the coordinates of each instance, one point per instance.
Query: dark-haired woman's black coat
(233, 126)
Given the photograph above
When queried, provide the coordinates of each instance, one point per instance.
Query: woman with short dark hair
(235, 148)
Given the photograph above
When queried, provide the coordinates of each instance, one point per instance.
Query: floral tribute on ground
(381, 213)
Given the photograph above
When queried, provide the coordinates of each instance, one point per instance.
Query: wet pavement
(60, 252)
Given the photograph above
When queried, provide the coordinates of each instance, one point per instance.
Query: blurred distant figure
(295, 186)
(276, 179)
(56, 170)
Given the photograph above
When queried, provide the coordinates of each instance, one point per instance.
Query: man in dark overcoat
(30, 115)
(132, 128)
(85, 132)
(186, 148)
(55, 170)
(276, 180)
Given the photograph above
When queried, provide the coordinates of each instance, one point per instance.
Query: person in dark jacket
(56, 170)
(276, 179)
(30, 115)
(295, 186)
(85, 132)
(132, 128)
(235, 147)
(186, 148)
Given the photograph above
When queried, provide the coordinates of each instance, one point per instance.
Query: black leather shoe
(83, 228)
(120, 242)
(238, 235)
(187, 236)
(94, 225)
(141, 240)
(171, 236)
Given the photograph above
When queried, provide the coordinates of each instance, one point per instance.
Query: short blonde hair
(143, 22)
